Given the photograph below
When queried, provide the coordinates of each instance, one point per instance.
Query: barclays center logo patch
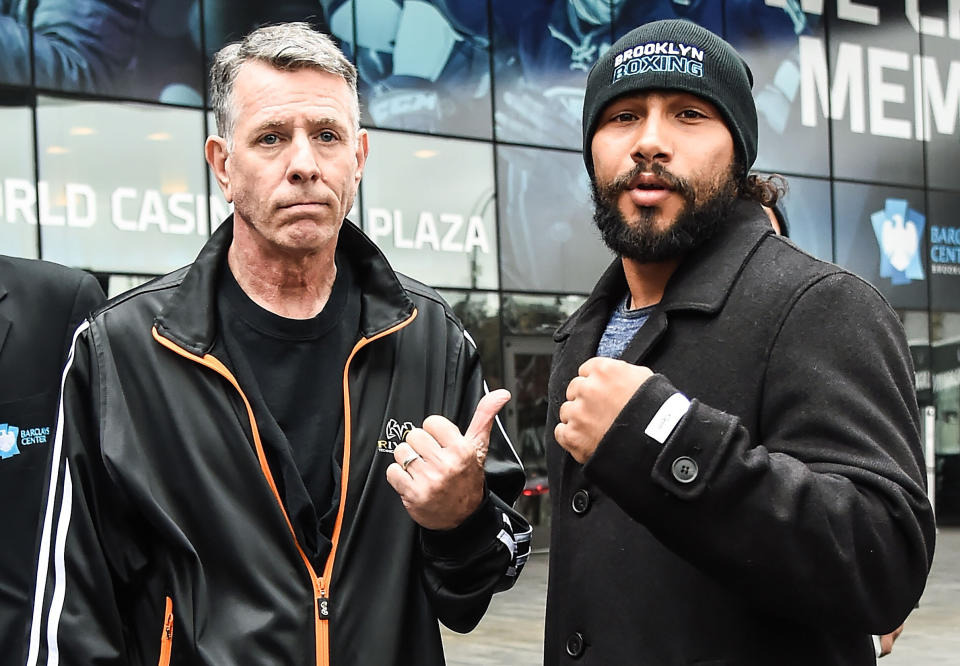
(13, 438)
(899, 232)
(658, 57)
(394, 433)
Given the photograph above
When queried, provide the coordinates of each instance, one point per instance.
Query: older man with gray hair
(239, 476)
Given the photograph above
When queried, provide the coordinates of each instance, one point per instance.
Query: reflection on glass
(121, 185)
(939, 74)
(808, 215)
(525, 314)
(547, 236)
(18, 209)
(944, 250)
(227, 21)
(769, 39)
(423, 65)
(529, 322)
(872, 94)
(945, 366)
(543, 50)
(916, 326)
(479, 312)
(880, 235)
(129, 48)
(429, 204)
(117, 284)
(14, 43)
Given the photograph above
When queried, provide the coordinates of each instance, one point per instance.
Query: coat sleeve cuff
(682, 464)
(625, 449)
(474, 534)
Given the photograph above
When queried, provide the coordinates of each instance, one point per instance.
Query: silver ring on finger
(409, 460)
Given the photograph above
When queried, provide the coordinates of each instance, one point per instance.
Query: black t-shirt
(294, 367)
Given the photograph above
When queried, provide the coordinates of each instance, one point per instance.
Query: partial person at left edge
(283, 453)
(78, 45)
(41, 304)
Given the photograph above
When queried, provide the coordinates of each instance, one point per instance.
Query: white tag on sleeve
(667, 417)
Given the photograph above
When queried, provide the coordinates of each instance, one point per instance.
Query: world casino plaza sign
(79, 205)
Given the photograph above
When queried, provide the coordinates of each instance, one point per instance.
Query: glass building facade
(475, 182)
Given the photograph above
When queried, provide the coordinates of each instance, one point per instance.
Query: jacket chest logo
(394, 433)
(12, 438)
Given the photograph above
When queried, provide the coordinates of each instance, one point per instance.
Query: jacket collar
(190, 319)
(4, 320)
(702, 281)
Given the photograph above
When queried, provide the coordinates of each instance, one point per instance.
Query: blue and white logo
(658, 57)
(899, 230)
(8, 441)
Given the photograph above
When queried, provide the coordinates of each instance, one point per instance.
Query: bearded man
(733, 434)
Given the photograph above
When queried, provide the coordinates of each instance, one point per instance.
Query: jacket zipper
(320, 584)
(166, 638)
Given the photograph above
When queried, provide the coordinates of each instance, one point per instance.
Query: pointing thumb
(479, 431)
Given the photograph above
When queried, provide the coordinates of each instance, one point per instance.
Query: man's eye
(624, 117)
(691, 114)
(327, 136)
(270, 139)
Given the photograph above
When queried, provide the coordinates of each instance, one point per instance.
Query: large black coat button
(684, 469)
(580, 502)
(575, 645)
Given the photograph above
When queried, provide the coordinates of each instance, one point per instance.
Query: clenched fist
(594, 398)
(438, 472)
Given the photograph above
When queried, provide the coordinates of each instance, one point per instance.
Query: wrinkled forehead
(260, 85)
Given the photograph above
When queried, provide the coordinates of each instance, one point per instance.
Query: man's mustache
(622, 182)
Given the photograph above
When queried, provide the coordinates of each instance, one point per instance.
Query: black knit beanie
(675, 55)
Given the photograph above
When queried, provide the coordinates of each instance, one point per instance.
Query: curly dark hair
(765, 190)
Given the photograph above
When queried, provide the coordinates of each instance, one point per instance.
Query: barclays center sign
(899, 232)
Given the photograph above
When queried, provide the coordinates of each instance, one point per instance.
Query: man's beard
(704, 212)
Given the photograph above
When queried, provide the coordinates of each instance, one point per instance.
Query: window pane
(940, 83)
(809, 219)
(880, 236)
(526, 314)
(423, 65)
(127, 48)
(770, 40)
(871, 71)
(529, 322)
(548, 239)
(945, 365)
(227, 21)
(480, 314)
(121, 185)
(429, 204)
(944, 253)
(543, 50)
(14, 44)
(18, 199)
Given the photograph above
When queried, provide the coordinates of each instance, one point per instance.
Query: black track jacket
(165, 538)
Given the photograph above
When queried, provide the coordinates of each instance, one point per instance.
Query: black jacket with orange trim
(165, 537)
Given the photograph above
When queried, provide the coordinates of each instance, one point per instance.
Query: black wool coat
(784, 520)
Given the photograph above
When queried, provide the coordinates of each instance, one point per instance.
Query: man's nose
(304, 165)
(652, 143)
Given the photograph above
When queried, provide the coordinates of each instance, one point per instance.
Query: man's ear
(215, 150)
(363, 150)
